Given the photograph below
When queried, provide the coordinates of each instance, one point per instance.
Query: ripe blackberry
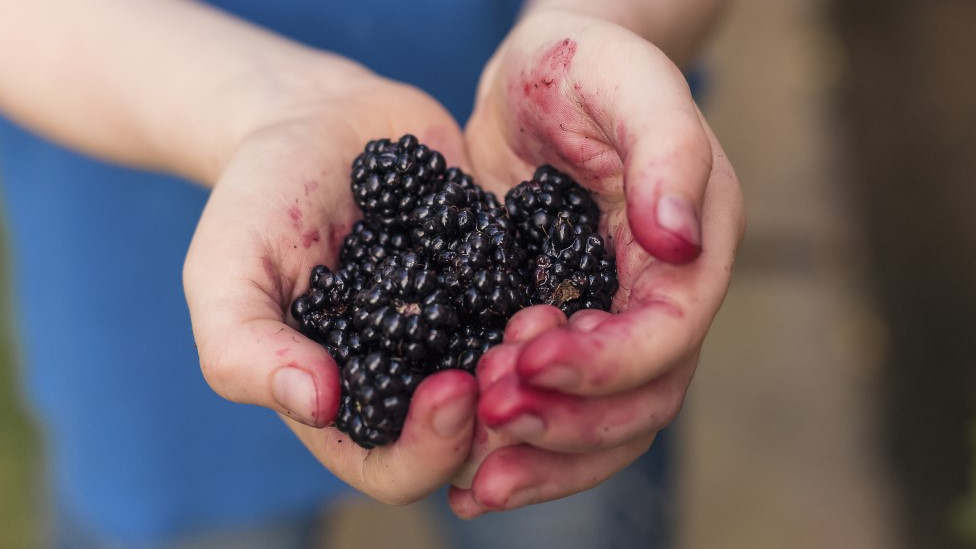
(482, 199)
(366, 246)
(489, 288)
(466, 347)
(574, 271)
(376, 392)
(389, 178)
(327, 297)
(406, 314)
(535, 204)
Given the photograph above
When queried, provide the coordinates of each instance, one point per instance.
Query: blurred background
(834, 405)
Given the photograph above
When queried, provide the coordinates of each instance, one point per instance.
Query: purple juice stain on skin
(295, 213)
(552, 69)
(562, 126)
(539, 84)
(309, 237)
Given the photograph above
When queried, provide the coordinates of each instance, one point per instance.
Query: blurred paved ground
(781, 448)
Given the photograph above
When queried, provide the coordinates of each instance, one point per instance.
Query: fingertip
(496, 363)
(500, 403)
(672, 231)
(532, 321)
(448, 400)
(544, 360)
(307, 397)
(463, 504)
(504, 480)
(588, 320)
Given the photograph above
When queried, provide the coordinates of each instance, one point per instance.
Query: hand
(568, 402)
(281, 205)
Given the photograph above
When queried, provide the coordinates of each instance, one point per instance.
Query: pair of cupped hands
(562, 404)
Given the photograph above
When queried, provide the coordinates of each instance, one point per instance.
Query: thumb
(667, 163)
(247, 353)
(666, 172)
(267, 363)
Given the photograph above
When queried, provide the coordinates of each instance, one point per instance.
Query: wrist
(267, 94)
(678, 27)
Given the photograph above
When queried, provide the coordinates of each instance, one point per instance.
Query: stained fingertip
(549, 361)
(301, 398)
(672, 234)
(531, 321)
(444, 405)
(588, 320)
(497, 362)
(500, 403)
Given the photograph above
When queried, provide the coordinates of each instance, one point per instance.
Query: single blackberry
(389, 178)
(574, 271)
(482, 198)
(535, 204)
(376, 392)
(489, 288)
(466, 347)
(441, 220)
(327, 298)
(366, 246)
(405, 314)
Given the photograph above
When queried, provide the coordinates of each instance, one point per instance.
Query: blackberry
(367, 246)
(327, 298)
(535, 204)
(389, 178)
(430, 276)
(574, 271)
(484, 276)
(406, 314)
(466, 347)
(376, 392)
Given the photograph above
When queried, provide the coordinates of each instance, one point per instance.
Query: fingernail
(556, 377)
(528, 427)
(450, 418)
(522, 498)
(677, 216)
(294, 390)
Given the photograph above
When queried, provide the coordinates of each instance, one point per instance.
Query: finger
(648, 117)
(655, 128)
(669, 309)
(569, 423)
(495, 364)
(531, 321)
(267, 363)
(516, 476)
(433, 445)
(587, 320)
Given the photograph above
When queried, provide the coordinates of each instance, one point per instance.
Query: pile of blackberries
(429, 277)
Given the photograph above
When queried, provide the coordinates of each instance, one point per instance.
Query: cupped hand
(282, 204)
(566, 403)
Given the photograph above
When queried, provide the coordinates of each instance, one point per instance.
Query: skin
(272, 126)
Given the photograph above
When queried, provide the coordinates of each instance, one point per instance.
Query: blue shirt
(139, 447)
